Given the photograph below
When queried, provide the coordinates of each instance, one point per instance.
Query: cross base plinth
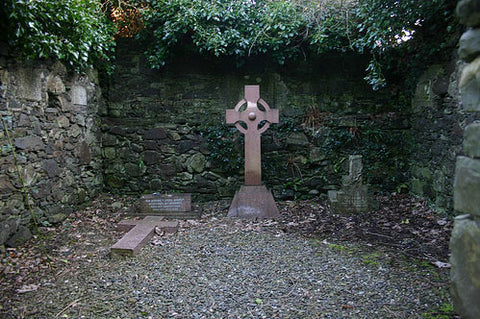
(253, 202)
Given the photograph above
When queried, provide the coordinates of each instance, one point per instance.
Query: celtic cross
(252, 122)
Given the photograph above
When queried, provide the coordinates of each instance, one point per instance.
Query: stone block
(51, 168)
(31, 143)
(155, 134)
(134, 170)
(297, 140)
(185, 146)
(152, 157)
(79, 95)
(468, 12)
(196, 163)
(57, 218)
(63, 121)
(7, 229)
(5, 186)
(350, 200)
(253, 202)
(466, 197)
(55, 85)
(469, 45)
(469, 86)
(22, 235)
(29, 84)
(139, 233)
(83, 153)
(465, 262)
(471, 142)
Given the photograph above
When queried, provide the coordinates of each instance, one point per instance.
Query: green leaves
(224, 28)
(73, 31)
(78, 32)
(288, 30)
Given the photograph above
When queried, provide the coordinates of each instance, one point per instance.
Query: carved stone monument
(353, 196)
(177, 206)
(253, 200)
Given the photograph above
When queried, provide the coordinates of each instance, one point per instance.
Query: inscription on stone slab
(167, 205)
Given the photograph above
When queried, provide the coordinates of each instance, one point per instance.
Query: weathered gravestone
(167, 205)
(253, 200)
(353, 196)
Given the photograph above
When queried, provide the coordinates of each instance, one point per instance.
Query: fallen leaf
(440, 264)
(27, 288)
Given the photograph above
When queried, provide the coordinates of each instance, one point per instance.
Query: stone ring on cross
(252, 118)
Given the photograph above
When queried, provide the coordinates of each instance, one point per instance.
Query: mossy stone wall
(165, 131)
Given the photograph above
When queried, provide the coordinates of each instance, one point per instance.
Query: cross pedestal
(139, 233)
(253, 200)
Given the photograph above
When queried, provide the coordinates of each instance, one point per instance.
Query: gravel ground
(218, 267)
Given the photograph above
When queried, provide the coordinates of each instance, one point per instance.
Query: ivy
(401, 36)
(76, 32)
(225, 147)
(286, 31)
(223, 28)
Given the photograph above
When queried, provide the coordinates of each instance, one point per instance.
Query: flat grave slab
(139, 233)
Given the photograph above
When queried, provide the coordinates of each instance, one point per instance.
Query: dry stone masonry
(162, 131)
(158, 131)
(465, 240)
(51, 118)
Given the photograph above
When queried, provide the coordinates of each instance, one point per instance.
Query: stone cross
(139, 233)
(252, 122)
(253, 200)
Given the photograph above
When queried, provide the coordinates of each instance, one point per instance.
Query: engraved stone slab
(79, 95)
(167, 206)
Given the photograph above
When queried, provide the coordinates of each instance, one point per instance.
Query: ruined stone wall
(165, 130)
(438, 120)
(49, 144)
(465, 240)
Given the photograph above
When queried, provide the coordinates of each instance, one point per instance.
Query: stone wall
(165, 130)
(465, 240)
(49, 144)
(438, 121)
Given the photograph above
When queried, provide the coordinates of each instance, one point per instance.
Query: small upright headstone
(167, 206)
(79, 95)
(353, 196)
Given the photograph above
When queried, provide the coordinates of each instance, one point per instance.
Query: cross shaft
(256, 122)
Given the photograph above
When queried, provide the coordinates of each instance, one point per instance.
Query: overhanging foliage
(289, 30)
(79, 33)
(73, 31)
